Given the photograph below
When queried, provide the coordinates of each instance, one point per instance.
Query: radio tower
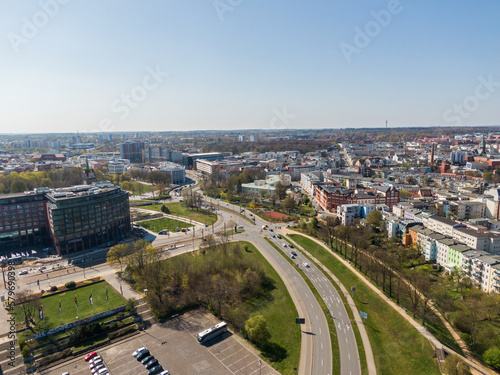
(386, 124)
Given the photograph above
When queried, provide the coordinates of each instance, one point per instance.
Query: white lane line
(317, 317)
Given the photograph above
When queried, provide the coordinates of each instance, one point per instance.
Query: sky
(169, 65)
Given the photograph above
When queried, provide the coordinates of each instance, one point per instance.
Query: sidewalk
(476, 367)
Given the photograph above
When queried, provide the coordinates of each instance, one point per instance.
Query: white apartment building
(442, 248)
(347, 213)
(116, 168)
(441, 225)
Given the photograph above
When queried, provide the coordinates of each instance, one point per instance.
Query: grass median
(398, 348)
(164, 223)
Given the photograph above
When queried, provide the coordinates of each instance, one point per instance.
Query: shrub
(130, 304)
(53, 288)
(120, 315)
(122, 332)
(25, 351)
(70, 285)
(54, 357)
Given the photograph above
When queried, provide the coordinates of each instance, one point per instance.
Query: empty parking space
(175, 345)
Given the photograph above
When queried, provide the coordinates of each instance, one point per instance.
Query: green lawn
(280, 313)
(178, 209)
(162, 223)
(139, 186)
(397, 346)
(68, 309)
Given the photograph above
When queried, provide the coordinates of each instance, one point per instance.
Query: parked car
(138, 351)
(147, 359)
(23, 272)
(142, 355)
(151, 363)
(162, 373)
(97, 368)
(155, 370)
(89, 356)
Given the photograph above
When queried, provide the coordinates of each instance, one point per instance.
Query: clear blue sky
(237, 67)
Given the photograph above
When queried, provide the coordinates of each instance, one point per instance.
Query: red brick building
(329, 197)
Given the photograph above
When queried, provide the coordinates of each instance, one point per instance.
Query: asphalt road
(349, 356)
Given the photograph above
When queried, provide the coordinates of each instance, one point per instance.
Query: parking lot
(175, 346)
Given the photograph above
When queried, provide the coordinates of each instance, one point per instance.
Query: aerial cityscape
(249, 188)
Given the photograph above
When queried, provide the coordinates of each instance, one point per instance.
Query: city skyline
(229, 65)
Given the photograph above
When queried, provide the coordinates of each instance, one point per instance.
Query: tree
(404, 194)
(492, 357)
(450, 215)
(118, 253)
(411, 180)
(160, 188)
(18, 186)
(289, 204)
(29, 306)
(280, 190)
(165, 209)
(314, 222)
(374, 218)
(453, 365)
(256, 329)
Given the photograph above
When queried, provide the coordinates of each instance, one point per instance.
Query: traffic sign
(300, 320)
(363, 315)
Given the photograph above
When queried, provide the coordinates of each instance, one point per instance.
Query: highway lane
(349, 355)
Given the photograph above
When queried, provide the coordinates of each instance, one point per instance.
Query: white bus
(213, 332)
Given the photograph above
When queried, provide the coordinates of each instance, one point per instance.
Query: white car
(23, 272)
(96, 359)
(95, 364)
(136, 353)
(165, 372)
(306, 265)
(97, 368)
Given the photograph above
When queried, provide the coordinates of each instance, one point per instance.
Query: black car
(151, 363)
(147, 359)
(142, 355)
(155, 370)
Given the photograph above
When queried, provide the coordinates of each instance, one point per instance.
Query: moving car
(306, 265)
(89, 356)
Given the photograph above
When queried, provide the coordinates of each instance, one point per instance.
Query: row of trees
(153, 177)
(405, 276)
(19, 182)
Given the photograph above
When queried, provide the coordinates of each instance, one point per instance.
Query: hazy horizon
(240, 65)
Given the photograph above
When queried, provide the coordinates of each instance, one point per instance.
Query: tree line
(403, 275)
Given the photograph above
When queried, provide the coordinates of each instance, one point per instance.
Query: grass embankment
(178, 209)
(397, 346)
(52, 318)
(162, 223)
(331, 323)
(275, 305)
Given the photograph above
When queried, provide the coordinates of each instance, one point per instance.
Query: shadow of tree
(274, 352)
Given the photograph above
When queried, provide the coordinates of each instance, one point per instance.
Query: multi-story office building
(23, 221)
(177, 172)
(70, 219)
(189, 160)
(132, 150)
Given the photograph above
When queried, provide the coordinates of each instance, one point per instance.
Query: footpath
(476, 367)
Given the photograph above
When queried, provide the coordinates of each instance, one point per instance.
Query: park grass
(280, 312)
(139, 186)
(178, 209)
(398, 348)
(68, 309)
(162, 223)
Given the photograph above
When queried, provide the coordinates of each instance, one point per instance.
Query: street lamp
(260, 367)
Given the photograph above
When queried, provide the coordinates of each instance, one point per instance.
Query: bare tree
(29, 304)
